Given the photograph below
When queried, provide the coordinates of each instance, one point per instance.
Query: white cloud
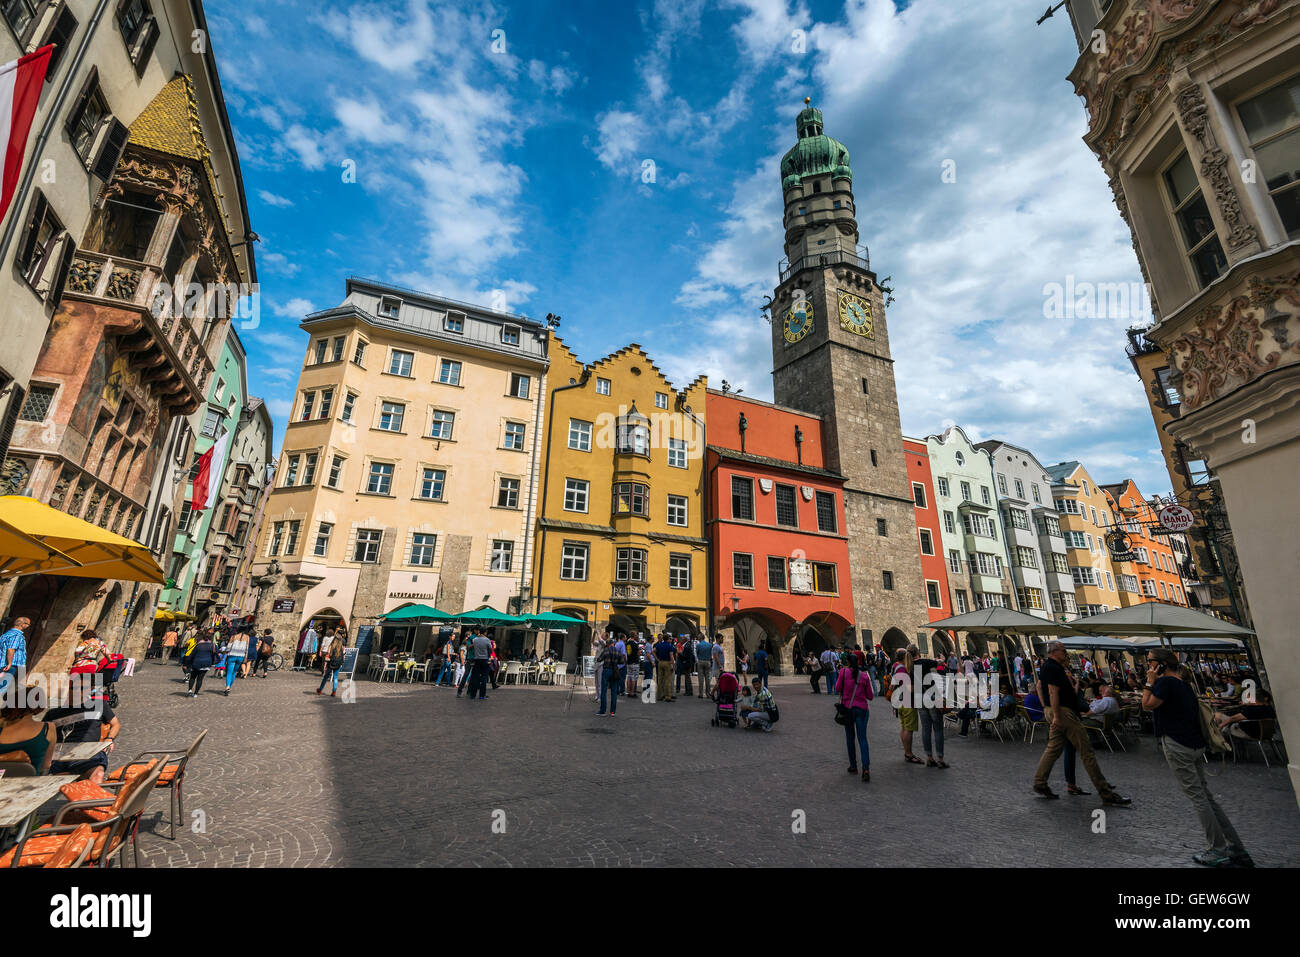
(397, 46)
(271, 199)
(294, 307)
(279, 408)
(620, 133)
(305, 144)
(279, 263)
(368, 121)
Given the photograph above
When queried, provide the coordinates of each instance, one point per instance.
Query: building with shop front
(1191, 110)
(621, 541)
(243, 513)
(1152, 574)
(929, 539)
(974, 549)
(1040, 567)
(408, 469)
(148, 199)
(775, 521)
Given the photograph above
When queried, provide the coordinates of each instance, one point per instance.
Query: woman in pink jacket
(855, 690)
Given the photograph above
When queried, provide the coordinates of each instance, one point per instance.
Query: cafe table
(20, 798)
(79, 751)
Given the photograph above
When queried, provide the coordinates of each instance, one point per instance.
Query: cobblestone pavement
(411, 775)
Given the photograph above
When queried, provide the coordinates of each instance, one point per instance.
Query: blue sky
(499, 155)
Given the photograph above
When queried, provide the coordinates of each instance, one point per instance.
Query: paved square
(410, 775)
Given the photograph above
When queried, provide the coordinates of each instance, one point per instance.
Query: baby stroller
(109, 668)
(724, 700)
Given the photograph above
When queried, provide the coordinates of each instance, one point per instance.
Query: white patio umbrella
(1157, 619)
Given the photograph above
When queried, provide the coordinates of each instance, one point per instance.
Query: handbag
(842, 714)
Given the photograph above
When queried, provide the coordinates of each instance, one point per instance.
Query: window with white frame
(390, 307)
(423, 545)
(503, 555)
(933, 598)
(1149, 588)
(984, 495)
(520, 385)
(432, 483)
(291, 463)
(631, 498)
(1059, 564)
(401, 363)
(573, 561)
(1064, 601)
(510, 335)
(508, 493)
(322, 546)
(359, 353)
(309, 468)
(1026, 557)
(380, 481)
(742, 570)
(514, 437)
(1037, 496)
(630, 565)
(340, 345)
(679, 571)
(1019, 518)
(965, 492)
(444, 423)
(677, 510)
(918, 495)
(927, 541)
(454, 322)
(1083, 575)
(949, 525)
(1002, 484)
(961, 604)
(661, 400)
(1020, 489)
(391, 415)
(366, 547)
(602, 386)
(576, 494)
(349, 406)
(580, 435)
(336, 472)
(1075, 540)
(954, 561)
(449, 372)
(1030, 597)
(943, 486)
(1110, 582)
(677, 453)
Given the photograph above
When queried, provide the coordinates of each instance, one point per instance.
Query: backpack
(886, 685)
(1215, 740)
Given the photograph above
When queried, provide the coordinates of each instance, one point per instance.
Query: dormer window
(455, 322)
(389, 307)
(510, 335)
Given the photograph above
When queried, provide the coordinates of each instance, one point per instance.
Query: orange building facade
(1153, 574)
(934, 570)
(775, 521)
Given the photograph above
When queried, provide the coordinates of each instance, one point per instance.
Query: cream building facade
(408, 470)
(1192, 111)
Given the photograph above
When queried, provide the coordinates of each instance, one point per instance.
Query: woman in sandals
(908, 721)
(856, 689)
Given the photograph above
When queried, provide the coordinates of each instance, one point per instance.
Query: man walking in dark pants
(1063, 711)
(760, 665)
(467, 659)
(482, 646)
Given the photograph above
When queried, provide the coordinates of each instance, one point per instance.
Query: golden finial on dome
(807, 101)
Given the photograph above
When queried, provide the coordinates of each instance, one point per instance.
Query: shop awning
(166, 614)
(416, 612)
(72, 547)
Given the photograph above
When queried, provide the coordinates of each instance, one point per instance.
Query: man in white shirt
(1106, 703)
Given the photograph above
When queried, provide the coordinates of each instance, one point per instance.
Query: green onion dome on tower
(816, 154)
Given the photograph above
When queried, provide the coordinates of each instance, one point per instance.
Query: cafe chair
(114, 819)
(513, 668)
(16, 764)
(1106, 729)
(172, 777)
(387, 668)
(561, 670)
(1031, 726)
(531, 672)
(75, 849)
(1242, 739)
(422, 669)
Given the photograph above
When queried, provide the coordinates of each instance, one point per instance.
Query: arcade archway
(893, 640)
(574, 641)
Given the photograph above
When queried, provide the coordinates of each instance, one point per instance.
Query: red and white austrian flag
(207, 483)
(20, 89)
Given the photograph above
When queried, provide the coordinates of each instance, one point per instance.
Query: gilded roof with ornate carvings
(170, 124)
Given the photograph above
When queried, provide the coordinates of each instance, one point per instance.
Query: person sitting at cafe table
(21, 732)
(1103, 704)
(86, 723)
(1245, 723)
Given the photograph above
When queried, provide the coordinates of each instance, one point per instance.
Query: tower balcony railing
(830, 258)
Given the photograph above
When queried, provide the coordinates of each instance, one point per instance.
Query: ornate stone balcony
(164, 348)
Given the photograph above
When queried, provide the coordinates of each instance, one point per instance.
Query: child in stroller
(724, 700)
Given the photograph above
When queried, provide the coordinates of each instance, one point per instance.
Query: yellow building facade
(1085, 512)
(408, 469)
(620, 535)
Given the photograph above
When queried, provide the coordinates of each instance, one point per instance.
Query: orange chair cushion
(22, 757)
(67, 855)
(89, 791)
(41, 848)
(133, 771)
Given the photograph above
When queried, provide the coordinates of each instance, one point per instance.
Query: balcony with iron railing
(833, 257)
(179, 365)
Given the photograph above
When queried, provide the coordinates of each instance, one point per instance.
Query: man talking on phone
(1062, 709)
(1175, 715)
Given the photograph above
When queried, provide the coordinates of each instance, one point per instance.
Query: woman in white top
(236, 652)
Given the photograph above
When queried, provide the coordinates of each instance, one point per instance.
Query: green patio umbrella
(549, 619)
(410, 612)
(488, 617)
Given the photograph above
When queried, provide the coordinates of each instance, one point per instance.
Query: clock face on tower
(798, 320)
(855, 315)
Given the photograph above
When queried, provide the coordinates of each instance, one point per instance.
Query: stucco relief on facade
(1193, 113)
(1233, 344)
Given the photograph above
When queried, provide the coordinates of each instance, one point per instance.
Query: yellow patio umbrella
(36, 539)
